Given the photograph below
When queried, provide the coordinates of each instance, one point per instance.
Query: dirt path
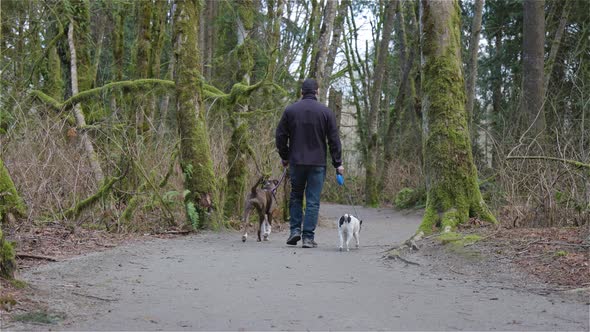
(213, 281)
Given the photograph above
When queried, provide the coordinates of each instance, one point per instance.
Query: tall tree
(143, 44)
(309, 39)
(239, 148)
(472, 65)
(334, 45)
(78, 114)
(556, 43)
(371, 176)
(533, 49)
(407, 63)
(451, 177)
(195, 153)
(318, 65)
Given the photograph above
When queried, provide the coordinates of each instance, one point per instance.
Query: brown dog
(261, 200)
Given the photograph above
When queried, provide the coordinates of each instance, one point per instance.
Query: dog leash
(341, 183)
(274, 190)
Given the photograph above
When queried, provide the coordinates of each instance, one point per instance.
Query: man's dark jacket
(302, 133)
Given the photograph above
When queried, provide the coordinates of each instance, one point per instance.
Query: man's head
(309, 86)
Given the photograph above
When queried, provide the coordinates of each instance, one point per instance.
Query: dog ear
(349, 219)
(341, 221)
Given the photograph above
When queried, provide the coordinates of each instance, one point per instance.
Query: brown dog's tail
(253, 190)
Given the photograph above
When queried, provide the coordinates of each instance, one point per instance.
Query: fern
(193, 214)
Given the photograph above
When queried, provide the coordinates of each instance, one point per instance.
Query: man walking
(301, 139)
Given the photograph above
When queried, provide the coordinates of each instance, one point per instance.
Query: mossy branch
(74, 211)
(567, 161)
(88, 94)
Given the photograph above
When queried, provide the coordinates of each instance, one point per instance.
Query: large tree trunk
(451, 177)
(195, 153)
(371, 176)
(472, 65)
(237, 175)
(78, 114)
(533, 43)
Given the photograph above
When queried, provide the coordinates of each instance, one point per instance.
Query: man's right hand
(340, 170)
(285, 163)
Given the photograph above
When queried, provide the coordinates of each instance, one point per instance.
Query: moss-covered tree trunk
(10, 203)
(451, 177)
(7, 258)
(195, 154)
(238, 150)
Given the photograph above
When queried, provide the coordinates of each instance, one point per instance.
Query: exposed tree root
(30, 256)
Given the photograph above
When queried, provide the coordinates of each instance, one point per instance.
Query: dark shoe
(293, 239)
(307, 243)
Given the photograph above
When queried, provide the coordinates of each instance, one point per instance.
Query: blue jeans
(308, 180)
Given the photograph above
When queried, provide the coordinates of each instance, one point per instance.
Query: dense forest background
(152, 115)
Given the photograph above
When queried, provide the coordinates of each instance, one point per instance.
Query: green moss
(19, 284)
(449, 237)
(7, 258)
(246, 12)
(55, 84)
(561, 253)
(403, 198)
(471, 239)
(10, 201)
(39, 317)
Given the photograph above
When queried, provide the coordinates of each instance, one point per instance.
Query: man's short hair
(309, 86)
